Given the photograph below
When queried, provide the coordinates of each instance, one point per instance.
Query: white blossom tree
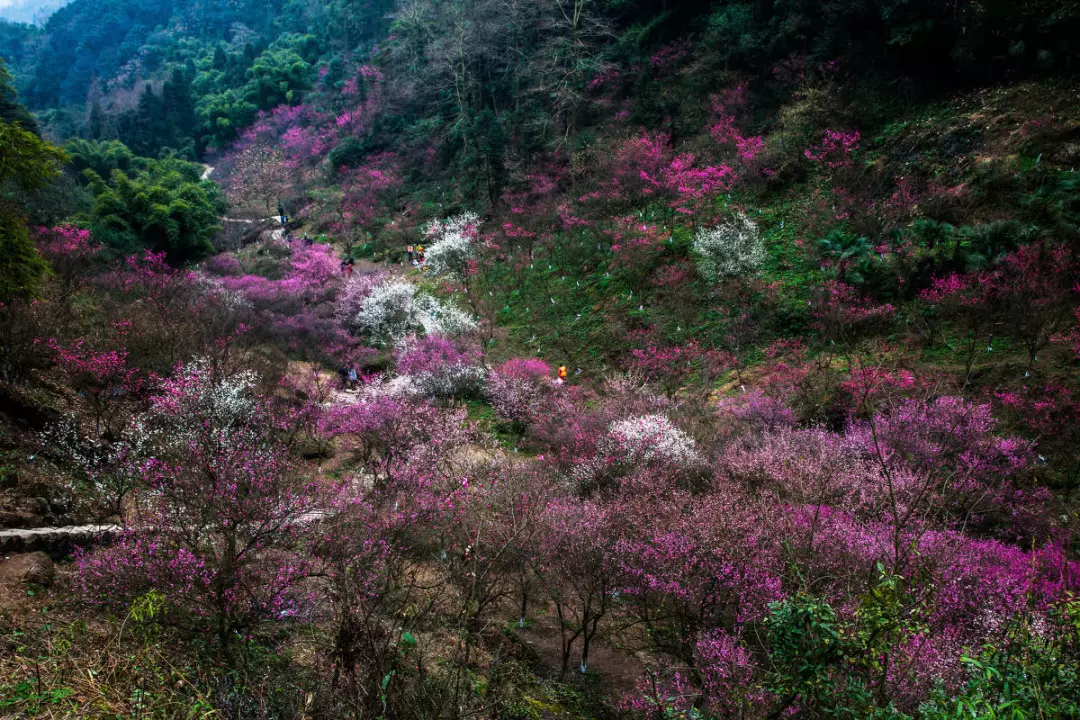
(452, 244)
(394, 310)
(730, 249)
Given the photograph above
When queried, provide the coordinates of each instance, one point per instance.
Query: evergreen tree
(11, 111)
(27, 163)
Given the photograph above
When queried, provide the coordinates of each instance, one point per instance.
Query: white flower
(730, 249)
(223, 298)
(394, 310)
(637, 440)
(353, 294)
(398, 386)
(451, 245)
(652, 437)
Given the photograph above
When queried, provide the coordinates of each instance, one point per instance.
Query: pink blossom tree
(577, 569)
(220, 515)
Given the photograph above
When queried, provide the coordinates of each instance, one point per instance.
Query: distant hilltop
(35, 12)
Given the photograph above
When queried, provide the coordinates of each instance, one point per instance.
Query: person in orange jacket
(562, 374)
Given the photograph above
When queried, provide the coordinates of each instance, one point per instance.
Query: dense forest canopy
(541, 359)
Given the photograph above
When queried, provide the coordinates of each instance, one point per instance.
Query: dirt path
(619, 669)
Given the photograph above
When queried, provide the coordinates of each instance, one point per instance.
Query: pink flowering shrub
(646, 166)
(839, 312)
(220, 513)
(104, 379)
(835, 149)
(439, 369)
(1032, 292)
(391, 432)
(575, 562)
(752, 410)
(674, 368)
(222, 264)
(519, 390)
(728, 684)
(72, 252)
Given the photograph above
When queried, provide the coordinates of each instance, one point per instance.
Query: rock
(34, 568)
(37, 506)
(18, 519)
(59, 506)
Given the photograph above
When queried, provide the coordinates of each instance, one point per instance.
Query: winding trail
(28, 539)
(50, 538)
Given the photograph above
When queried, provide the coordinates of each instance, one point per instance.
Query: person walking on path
(343, 374)
(562, 375)
(411, 252)
(353, 377)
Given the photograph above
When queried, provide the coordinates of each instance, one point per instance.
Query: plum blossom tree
(104, 380)
(1033, 290)
(439, 369)
(731, 249)
(451, 245)
(673, 368)
(519, 389)
(577, 569)
(220, 516)
(394, 310)
(259, 177)
(637, 443)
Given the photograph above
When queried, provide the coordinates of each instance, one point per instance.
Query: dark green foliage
(849, 252)
(87, 39)
(349, 23)
(164, 122)
(11, 111)
(159, 205)
(937, 43)
(224, 114)
(1057, 205)
(27, 164)
(100, 156)
(837, 668)
(349, 153)
(21, 268)
(277, 77)
(1031, 673)
(967, 248)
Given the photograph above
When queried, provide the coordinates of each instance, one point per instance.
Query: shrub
(636, 444)
(518, 390)
(451, 246)
(394, 310)
(439, 369)
(221, 511)
(730, 249)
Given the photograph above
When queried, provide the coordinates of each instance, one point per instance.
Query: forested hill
(102, 55)
(89, 65)
(547, 359)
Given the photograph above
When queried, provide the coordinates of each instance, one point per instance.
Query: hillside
(540, 359)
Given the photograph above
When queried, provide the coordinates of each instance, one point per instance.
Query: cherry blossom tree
(577, 569)
(220, 515)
